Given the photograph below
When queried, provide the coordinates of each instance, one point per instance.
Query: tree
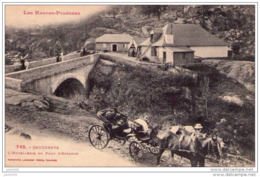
(126, 9)
(204, 86)
(114, 11)
(156, 10)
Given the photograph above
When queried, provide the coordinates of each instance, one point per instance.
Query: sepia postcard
(130, 85)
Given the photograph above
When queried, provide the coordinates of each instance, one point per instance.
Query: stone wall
(13, 83)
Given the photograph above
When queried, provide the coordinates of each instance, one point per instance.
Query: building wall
(169, 55)
(210, 51)
(147, 52)
(108, 47)
(183, 58)
(189, 56)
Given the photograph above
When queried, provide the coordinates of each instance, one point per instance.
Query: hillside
(172, 99)
(233, 24)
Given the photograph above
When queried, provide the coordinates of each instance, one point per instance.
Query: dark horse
(190, 147)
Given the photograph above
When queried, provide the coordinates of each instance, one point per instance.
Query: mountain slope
(233, 24)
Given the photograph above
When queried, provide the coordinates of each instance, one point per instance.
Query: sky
(21, 16)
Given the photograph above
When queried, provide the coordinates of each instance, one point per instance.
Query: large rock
(29, 106)
(241, 71)
(41, 104)
(233, 100)
(19, 99)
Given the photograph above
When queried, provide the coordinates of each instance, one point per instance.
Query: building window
(104, 45)
(184, 56)
(164, 57)
(124, 45)
(153, 51)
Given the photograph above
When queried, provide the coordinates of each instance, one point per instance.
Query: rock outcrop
(241, 71)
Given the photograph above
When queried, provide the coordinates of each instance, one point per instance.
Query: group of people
(119, 124)
(113, 117)
(141, 128)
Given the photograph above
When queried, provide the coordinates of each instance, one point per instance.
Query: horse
(191, 147)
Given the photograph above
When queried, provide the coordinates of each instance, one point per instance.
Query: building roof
(139, 40)
(192, 35)
(157, 30)
(186, 35)
(114, 38)
(146, 42)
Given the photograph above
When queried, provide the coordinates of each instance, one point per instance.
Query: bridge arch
(69, 85)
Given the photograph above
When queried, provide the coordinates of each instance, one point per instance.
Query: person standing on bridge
(24, 62)
(58, 51)
(61, 56)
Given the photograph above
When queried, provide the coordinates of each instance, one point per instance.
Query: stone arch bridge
(53, 78)
(49, 77)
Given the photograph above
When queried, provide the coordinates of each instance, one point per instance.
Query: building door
(114, 47)
(164, 57)
(178, 58)
(230, 54)
(183, 58)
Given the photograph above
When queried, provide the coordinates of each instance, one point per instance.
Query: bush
(244, 58)
(8, 61)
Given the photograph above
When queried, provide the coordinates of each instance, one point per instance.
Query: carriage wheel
(136, 151)
(98, 137)
(154, 150)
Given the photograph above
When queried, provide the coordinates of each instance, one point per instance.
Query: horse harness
(209, 147)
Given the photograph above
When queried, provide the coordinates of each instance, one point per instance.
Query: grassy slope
(137, 91)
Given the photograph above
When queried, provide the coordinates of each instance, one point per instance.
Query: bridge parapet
(51, 69)
(38, 63)
(18, 79)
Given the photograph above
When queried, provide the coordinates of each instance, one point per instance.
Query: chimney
(151, 37)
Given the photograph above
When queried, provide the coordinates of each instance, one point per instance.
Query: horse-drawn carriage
(189, 146)
(101, 134)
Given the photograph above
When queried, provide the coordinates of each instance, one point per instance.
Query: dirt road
(53, 152)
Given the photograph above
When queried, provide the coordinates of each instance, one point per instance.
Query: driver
(111, 116)
(198, 127)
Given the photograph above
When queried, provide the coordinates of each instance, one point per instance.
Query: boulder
(20, 98)
(29, 105)
(41, 104)
(233, 99)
